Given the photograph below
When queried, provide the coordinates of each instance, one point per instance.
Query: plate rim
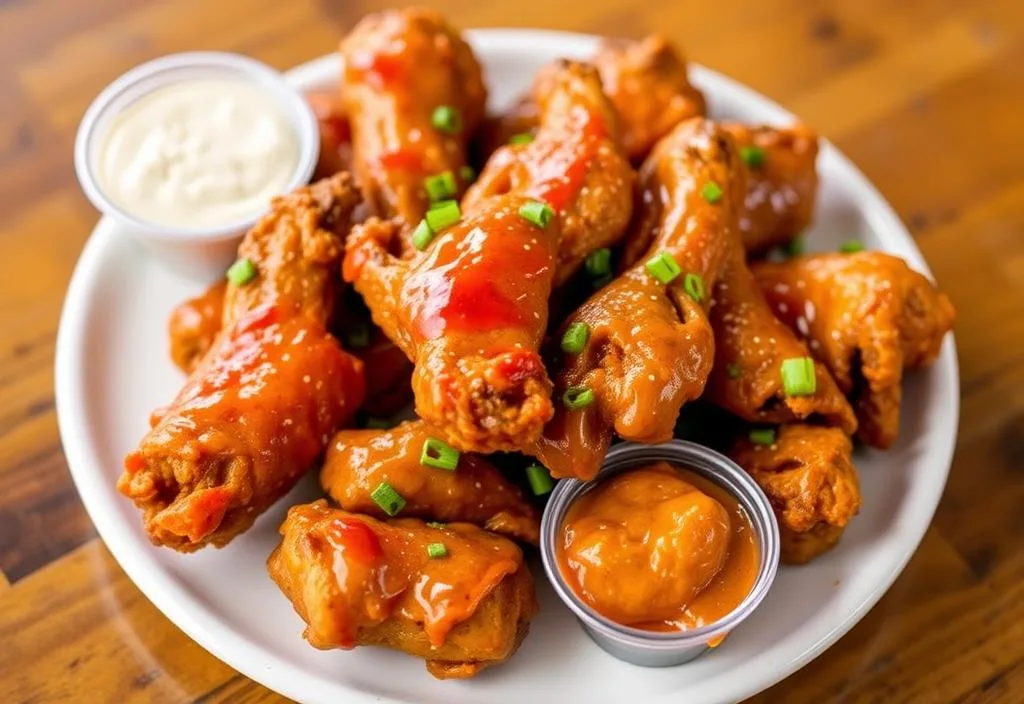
(134, 554)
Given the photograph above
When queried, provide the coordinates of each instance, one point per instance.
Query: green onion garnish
(762, 436)
(389, 500)
(443, 214)
(467, 174)
(523, 138)
(242, 272)
(577, 398)
(358, 336)
(436, 524)
(796, 246)
(378, 424)
(446, 119)
(711, 192)
(540, 480)
(422, 236)
(439, 454)
(851, 246)
(436, 550)
(538, 213)
(599, 262)
(663, 267)
(752, 156)
(733, 370)
(798, 378)
(693, 284)
(575, 338)
(441, 186)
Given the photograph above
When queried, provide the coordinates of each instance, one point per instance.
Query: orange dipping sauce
(659, 548)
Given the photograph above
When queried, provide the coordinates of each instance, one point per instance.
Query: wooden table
(927, 96)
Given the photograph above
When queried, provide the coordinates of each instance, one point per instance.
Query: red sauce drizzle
(356, 538)
(558, 175)
(381, 71)
(401, 160)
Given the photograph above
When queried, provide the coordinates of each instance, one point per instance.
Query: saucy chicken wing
(648, 346)
(808, 474)
(335, 135)
(457, 596)
(413, 93)
(751, 348)
(359, 461)
(868, 317)
(194, 325)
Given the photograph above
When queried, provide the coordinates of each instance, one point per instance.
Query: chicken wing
(357, 581)
(650, 347)
(358, 461)
(751, 345)
(398, 68)
(868, 317)
(809, 477)
(782, 182)
(335, 133)
(194, 325)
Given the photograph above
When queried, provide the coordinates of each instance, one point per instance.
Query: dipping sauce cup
(187, 122)
(653, 648)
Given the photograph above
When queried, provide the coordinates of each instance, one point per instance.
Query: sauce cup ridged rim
(716, 467)
(297, 111)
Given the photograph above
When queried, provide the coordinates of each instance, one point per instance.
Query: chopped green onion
(389, 500)
(798, 378)
(443, 214)
(796, 246)
(422, 236)
(524, 138)
(752, 156)
(602, 281)
(242, 272)
(538, 213)
(441, 186)
(446, 119)
(540, 480)
(762, 436)
(436, 550)
(851, 246)
(436, 524)
(663, 267)
(577, 398)
(439, 454)
(467, 174)
(733, 370)
(599, 262)
(575, 338)
(358, 336)
(711, 192)
(378, 424)
(693, 284)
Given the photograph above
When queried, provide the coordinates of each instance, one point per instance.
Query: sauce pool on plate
(659, 548)
(198, 153)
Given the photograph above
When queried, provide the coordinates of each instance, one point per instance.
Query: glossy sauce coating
(658, 548)
(475, 492)
(335, 133)
(194, 325)
(359, 581)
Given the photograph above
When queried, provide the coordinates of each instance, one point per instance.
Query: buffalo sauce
(659, 548)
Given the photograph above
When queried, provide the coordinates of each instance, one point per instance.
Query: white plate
(113, 369)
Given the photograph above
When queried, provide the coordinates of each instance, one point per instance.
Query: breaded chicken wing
(868, 317)
(808, 474)
(357, 581)
(194, 325)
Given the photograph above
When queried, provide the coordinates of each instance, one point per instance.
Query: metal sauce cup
(649, 648)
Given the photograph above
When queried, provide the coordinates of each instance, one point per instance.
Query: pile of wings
(603, 270)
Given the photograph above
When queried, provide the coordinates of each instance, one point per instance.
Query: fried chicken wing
(751, 345)
(398, 67)
(650, 346)
(357, 581)
(868, 317)
(475, 492)
(782, 182)
(575, 164)
(809, 477)
(335, 133)
(194, 325)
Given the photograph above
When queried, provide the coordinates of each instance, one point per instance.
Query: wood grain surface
(926, 96)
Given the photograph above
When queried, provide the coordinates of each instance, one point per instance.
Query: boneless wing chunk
(868, 317)
(808, 475)
(413, 92)
(753, 353)
(648, 346)
(457, 596)
(253, 417)
(575, 165)
(474, 491)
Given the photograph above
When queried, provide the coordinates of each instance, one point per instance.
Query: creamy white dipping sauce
(200, 153)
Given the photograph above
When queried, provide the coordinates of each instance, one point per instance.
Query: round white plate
(113, 369)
